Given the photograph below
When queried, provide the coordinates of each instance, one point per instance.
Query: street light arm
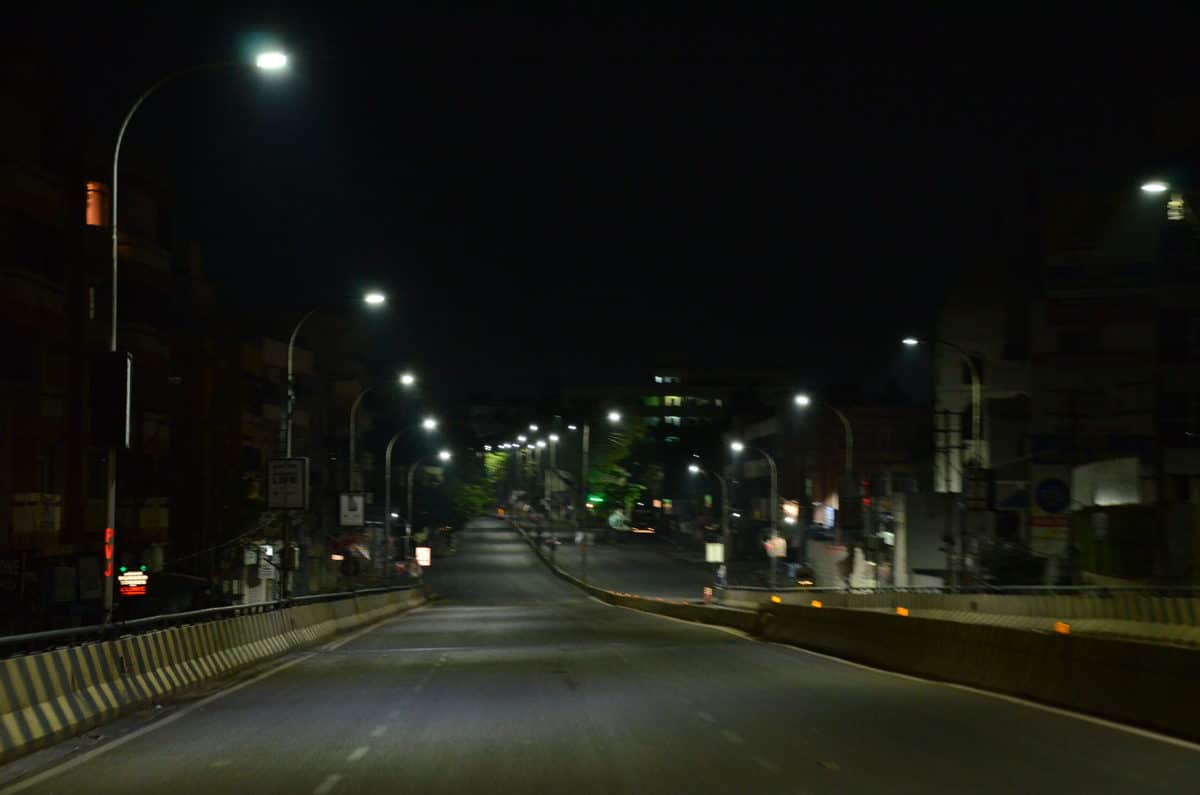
(849, 438)
(976, 386)
(116, 169)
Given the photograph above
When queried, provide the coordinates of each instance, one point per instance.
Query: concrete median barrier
(56, 694)
(1149, 685)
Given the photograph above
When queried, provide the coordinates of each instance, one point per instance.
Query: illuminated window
(719, 402)
(672, 400)
(658, 379)
(652, 400)
(673, 420)
(97, 208)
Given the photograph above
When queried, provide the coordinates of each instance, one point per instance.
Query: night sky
(576, 198)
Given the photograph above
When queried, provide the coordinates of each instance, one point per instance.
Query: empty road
(514, 682)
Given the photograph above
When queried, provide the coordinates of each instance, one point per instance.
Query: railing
(12, 645)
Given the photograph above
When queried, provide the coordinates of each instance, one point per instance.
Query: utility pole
(583, 486)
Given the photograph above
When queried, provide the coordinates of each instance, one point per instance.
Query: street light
(407, 379)
(804, 401)
(1155, 186)
(272, 61)
(726, 540)
(737, 446)
(387, 481)
(614, 416)
(533, 428)
(976, 382)
(572, 427)
(541, 443)
(554, 438)
(374, 298)
(429, 424)
(522, 438)
(444, 456)
(265, 61)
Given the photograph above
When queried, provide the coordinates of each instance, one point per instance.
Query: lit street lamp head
(1155, 186)
(553, 438)
(695, 470)
(736, 446)
(572, 427)
(911, 341)
(541, 443)
(429, 424)
(802, 400)
(374, 299)
(444, 455)
(271, 61)
(614, 416)
(407, 379)
(533, 428)
(522, 438)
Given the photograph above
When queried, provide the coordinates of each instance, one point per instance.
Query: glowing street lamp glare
(429, 424)
(271, 61)
(1154, 186)
(374, 299)
(802, 400)
(695, 470)
(553, 437)
(444, 455)
(533, 428)
(614, 416)
(911, 341)
(408, 379)
(541, 443)
(737, 447)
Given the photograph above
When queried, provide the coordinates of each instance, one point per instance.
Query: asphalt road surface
(514, 682)
(637, 565)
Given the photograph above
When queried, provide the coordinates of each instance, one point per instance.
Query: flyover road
(637, 565)
(514, 682)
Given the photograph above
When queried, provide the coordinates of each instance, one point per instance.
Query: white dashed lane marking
(766, 764)
(328, 784)
(379, 730)
(732, 736)
(358, 753)
(706, 717)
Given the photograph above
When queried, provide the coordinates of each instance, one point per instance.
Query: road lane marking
(1134, 730)
(766, 764)
(395, 714)
(358, 753)
(221, 763)
(732, 736)
(328, 784)
(88, 756)
(706, 717)
(1066, 713)
(379, 730)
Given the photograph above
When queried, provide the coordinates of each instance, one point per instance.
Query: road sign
(424, 556)
(714, 553)
(132, 582)
(287, 484)
(353, 509)
(776, 547)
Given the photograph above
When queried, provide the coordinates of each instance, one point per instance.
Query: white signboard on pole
(714, 553)
(287, 484)
(424, 556)
(352, 510)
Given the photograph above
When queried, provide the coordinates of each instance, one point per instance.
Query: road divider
(1152, 685)
(52, 695)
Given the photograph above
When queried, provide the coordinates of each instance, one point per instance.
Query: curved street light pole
(290, 407)
(110, 499)
(355, 480)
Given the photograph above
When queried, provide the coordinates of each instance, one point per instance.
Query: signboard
(287, 484)
(424, 556)
(132, 582)
(776, 547)
(1049, 511)
(352, 510)
(714, 553)
(266, 569)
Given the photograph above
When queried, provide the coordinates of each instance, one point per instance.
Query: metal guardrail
(31, 642)
(1183, 591)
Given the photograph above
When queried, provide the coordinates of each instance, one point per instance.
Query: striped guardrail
(50, 695)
